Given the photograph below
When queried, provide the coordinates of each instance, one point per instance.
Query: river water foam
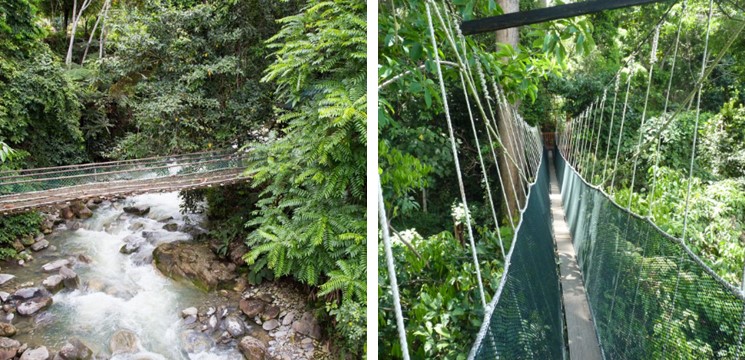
(119, 291)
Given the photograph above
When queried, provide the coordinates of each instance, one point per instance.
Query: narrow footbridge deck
(24, 190)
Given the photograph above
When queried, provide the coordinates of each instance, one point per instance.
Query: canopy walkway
(28, 189)
(623, 288)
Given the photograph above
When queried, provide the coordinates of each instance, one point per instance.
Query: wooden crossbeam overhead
(521, 18)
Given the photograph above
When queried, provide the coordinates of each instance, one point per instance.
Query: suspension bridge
(624, 288)
(29, 189)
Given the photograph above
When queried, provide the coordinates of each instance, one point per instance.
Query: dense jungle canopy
(96, 80)
(553, 74)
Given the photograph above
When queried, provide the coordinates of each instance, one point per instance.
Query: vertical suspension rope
(693, 161)
(620, 132)
(667, 102)
(392, 273)
(652, 61)
(455, 154)
(610, 128)
(597, 143)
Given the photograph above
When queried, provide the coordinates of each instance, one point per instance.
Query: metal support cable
(620, 132)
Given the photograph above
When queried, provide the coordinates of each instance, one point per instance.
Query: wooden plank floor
(583, 342)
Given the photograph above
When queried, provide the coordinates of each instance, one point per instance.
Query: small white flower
(458, 211)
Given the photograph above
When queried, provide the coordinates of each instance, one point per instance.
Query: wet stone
(40, 353)
(40, 245)
(270, 325)
(32, 306)
(192, 311)
(5, 278)
(7, 330)
(53, 283)
(75, 350)
(55, 265)
(8, 348)
(251, 307)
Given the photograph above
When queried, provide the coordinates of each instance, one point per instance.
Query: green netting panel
(526, 321)
(22, 182)
(651, 298)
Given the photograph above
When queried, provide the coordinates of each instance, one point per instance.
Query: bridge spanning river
(28, 189)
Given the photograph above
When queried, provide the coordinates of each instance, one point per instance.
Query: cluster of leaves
(439, 295)
(43, 123)
(191, 74)
(311, 218)
(14, 227)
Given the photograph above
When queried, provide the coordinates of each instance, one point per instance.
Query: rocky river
(128, 279)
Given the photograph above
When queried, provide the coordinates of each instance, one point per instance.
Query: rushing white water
(120, 291)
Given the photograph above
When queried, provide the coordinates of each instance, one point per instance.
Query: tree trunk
(103, 30)
(101, 15)
(512, 145)
(76, 15)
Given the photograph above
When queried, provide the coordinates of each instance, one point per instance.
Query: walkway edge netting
(650, 295)
(524, 320)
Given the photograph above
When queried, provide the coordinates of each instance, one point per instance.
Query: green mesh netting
(651, 298)
(23, 181)
(527, 321)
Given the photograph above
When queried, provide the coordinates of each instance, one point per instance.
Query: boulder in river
(7, 330)
(194, 342)
(124, 342)
(69, 278)
(5, 278)
(55, 265)
(53, 283)
(8, 348)
(74, 350)
(32, 306)
(252, 307)
(40, 353)
(40, 245)
(270, 312)
(234, 326)
(80, 210)
(132, 243)
(194, 262)
(252, 348)
(28, 293)
(66, 213)
(138, 210)
(172, 226)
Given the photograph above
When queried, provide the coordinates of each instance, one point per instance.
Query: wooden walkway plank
(583, 342)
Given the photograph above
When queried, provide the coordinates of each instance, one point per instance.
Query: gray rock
(270, 312)
(234, 326)
(190, 319)
(252, 348)
(189, 312)
(70, 278)
(5, 278)
(4, 296)
(136, 226)
(213, 321)
(132, 243)
(40, 245)
(171, 227)
(307, 325)
(251, 307)
(74, 350)
(55, 265)
(7, 330)
(32, 306)
(53, 283)
(124, 342)
(287, 320)
(8, 348)
(194, 262)
(40, 353)
(27, 293)
(193, 341)
(270, 325)
(137, 210)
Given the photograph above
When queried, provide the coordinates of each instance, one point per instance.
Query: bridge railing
(34, 180)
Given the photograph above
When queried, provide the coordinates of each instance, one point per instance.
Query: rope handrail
(95, 167)
(114, 172)
(108, 163)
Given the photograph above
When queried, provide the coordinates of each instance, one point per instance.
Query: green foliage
(192, 74)
(439, 294)
(13, 227)
(311, 217)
